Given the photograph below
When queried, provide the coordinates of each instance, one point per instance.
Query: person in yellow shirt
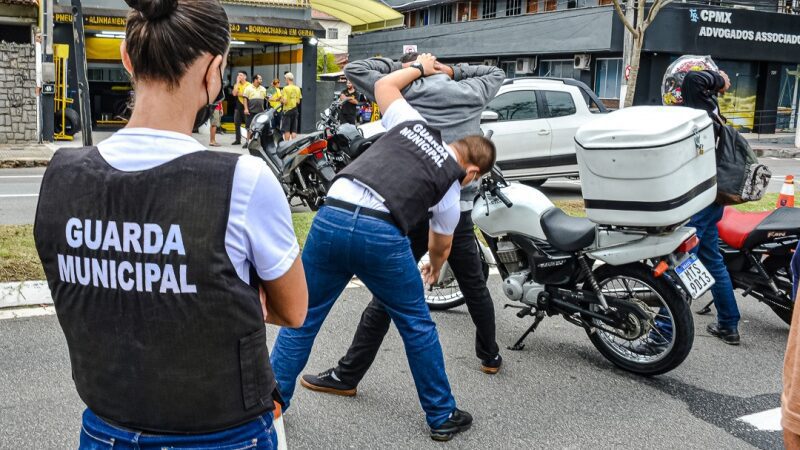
(255, 96)
(239, 106)
(274, 97)
(290, 97)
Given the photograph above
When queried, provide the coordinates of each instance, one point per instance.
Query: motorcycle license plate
(694, 276)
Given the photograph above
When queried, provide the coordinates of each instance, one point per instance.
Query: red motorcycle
(758, 248)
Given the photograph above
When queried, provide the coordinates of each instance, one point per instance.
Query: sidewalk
(37, 155)
(773, 145)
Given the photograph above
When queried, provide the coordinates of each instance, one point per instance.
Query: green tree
(326, 63)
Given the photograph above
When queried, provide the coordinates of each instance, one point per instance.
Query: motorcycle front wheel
(662, 341)
(447, 295)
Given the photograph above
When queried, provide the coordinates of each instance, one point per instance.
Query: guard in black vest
(155, 251)
(406, 177)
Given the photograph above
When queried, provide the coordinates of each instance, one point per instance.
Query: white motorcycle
(629, 288)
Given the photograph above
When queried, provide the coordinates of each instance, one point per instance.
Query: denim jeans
(97, 434)
(467, 267)
(342, 244)
(705, 222)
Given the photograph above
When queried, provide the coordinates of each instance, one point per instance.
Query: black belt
(382, 215)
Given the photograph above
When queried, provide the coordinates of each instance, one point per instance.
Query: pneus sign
(713, 26)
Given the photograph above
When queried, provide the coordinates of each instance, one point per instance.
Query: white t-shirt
(259, 232)
(445, 214)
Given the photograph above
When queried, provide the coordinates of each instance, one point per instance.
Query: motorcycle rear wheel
(667, 299)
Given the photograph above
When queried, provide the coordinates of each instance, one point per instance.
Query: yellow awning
(362, 15)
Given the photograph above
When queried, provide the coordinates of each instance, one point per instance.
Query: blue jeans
(342, 244)
(705, 222)
(97, 434)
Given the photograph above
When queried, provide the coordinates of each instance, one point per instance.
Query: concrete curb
(783, 153)
(23, 162)
(24, 293)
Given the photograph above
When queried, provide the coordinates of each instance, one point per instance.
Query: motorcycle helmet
(676, 72)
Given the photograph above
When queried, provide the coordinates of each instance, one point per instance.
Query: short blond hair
(289, 76)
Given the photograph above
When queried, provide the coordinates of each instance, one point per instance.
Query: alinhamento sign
(714, 22)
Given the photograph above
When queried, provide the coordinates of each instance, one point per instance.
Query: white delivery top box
(647, 166)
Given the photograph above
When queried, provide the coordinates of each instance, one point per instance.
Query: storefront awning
(362, 15)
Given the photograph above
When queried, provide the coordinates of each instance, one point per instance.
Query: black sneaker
(327, 383)
(244, 145)
(492, 365)
(236, 143)
(729, 336)
(459, 421)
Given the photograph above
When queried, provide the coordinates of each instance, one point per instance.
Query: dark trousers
(238, 120)
(467, 268)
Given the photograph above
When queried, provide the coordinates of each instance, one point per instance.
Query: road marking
(769, 420)
(20, 176)
(17, 195)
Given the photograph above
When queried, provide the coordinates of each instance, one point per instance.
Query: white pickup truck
(534, 121)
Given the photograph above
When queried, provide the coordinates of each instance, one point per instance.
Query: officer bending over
(153, 248)
(405, 176)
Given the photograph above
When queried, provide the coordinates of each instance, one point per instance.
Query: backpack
(740, 178)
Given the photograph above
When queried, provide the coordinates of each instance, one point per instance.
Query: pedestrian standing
(408, 176)
(452, 100)
(255, 97)
(238, 112)
(274, 96)
(290, 97)
(156, 250)
(216, 122)
(349, 99)
(790, 399)
(700, 90)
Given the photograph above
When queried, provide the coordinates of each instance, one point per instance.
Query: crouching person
(162, 265)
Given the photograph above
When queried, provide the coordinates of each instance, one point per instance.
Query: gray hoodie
(452, 106)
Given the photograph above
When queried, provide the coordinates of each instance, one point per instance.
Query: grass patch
(18, 257)
(19, 260)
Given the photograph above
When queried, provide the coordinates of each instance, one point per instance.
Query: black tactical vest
(410, 168)
(163, 335)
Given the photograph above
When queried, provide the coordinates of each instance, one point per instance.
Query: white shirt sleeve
(398, 112)
(270, 245)
(447, 213)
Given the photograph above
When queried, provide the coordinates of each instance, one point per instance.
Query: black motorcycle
(302, 166)
(758, 248)
(346, 143)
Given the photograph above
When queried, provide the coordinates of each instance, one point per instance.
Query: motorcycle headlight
(327, 112)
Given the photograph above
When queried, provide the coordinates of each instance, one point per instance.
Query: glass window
(510, 68)
(559, 103)
(514, 7)
(424, 16)
(515, 105)
(788, 97)
(608, 78)
(332, 33)
(559, 68)
(533, 6)
(489, 9)
(446, 14)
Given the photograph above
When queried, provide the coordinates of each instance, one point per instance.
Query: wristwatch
(417, 65)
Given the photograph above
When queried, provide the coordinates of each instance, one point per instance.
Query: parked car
(534, 121)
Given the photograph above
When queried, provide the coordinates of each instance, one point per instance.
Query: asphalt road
(558, 392)
(19, 189)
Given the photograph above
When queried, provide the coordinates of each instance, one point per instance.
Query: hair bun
(153, 9)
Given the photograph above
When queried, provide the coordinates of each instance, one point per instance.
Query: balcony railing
(273, 3)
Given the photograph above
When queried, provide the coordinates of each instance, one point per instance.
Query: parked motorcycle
(758, 248)
(302, 166)
(346, 143)
(634, 306)
(329, 117)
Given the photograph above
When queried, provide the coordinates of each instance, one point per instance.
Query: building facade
(269, 38)
(18, 106)
(583, 39)
(336, 37)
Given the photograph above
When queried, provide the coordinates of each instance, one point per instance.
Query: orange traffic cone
(786, 197)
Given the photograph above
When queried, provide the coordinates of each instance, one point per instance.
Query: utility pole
(80, 70)
(627, 50)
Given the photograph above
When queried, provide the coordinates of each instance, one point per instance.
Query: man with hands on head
(409, 176)
(451, 100)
